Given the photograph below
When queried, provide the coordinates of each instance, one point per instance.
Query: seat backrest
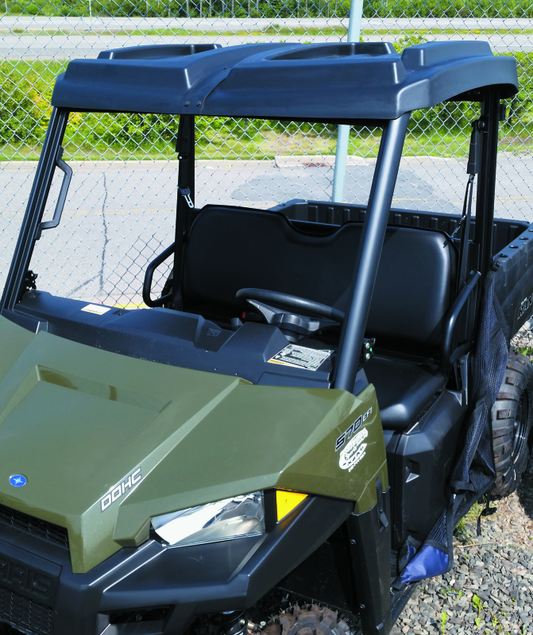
(230, 248)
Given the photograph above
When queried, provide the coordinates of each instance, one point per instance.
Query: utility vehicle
(287, 431)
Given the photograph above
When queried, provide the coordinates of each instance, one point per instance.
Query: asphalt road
(86, 37)
(119, 216)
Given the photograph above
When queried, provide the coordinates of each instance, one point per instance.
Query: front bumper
(153, 589)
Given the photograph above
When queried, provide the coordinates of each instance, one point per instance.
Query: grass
(19, 152)
(226, 147)
(270, 31)
(260, 147)
(463, 530)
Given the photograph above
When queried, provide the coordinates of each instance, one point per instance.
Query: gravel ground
(490, 588)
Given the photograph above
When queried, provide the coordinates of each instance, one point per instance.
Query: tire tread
(511, 461)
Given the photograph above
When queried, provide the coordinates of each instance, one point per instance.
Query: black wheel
(511, 417)
(297, 619)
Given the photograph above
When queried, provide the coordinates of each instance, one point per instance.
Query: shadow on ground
(525, 491)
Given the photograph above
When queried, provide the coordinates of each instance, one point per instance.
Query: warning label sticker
(96, 308)
(300, 357)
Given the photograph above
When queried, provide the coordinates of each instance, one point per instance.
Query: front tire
(511, 418)
(309, 619)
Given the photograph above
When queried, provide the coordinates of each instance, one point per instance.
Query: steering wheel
(293, 325)
(308, 307)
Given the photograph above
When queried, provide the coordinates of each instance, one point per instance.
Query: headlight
(227, 519)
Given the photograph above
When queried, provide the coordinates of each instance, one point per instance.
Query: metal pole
(369, 253)
(343, 133)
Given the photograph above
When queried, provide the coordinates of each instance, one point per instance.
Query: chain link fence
(119, 212)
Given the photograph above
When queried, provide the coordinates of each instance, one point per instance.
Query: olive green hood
(106, 441)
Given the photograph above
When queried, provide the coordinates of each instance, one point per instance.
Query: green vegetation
(276, 30)
(443, 620)
(274, 9)
(478, 606)
(448, 9)
(180, 9)
(25, 93)
(466, 527)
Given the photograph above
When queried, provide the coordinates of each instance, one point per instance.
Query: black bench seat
(232, 248)
(404, 388)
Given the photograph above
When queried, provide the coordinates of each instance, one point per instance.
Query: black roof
(324, 82)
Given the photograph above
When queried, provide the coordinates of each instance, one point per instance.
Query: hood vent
(34, 526)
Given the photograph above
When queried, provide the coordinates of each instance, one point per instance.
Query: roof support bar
(368, 257)
(35, 209)
(490, 115)
(185, 199)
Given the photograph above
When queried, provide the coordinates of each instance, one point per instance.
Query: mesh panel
(490, 360)
(476, 464)
(439, 532)
(489, 369)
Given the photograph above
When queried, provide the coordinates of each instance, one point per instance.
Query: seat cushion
(231, 248)
(404, 389)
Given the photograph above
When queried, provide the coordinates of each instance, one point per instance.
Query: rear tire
(511, 418)
(309, 619)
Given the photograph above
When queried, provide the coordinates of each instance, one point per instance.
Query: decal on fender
(130, 482)
(354, 452)
(349, 432)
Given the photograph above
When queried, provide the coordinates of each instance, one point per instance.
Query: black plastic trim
(286, 80)
(513, 281)
(165, 336)
(329, 213)
(370, 546)
(148, 277)
(191, 580)
(60, 204)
